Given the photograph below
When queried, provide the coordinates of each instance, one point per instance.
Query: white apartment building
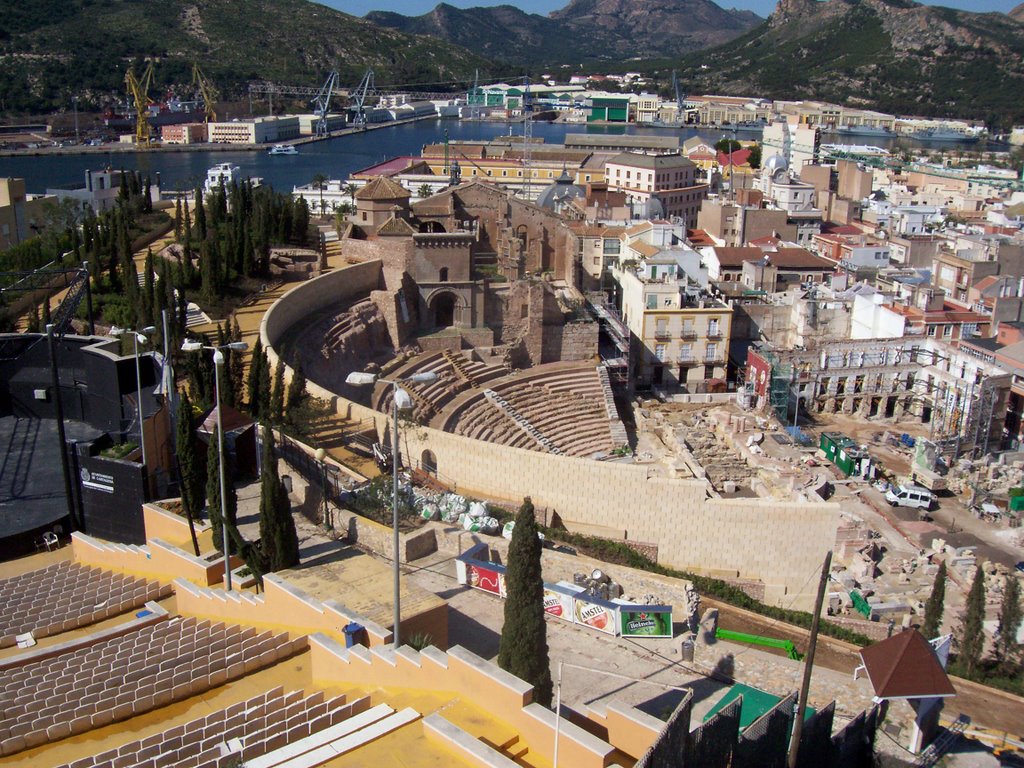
(798, 144)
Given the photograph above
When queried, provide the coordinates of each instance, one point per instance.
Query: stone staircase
(520, 421)
(615, 426)
(458, 364)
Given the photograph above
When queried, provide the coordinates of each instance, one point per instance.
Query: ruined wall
(779, 543)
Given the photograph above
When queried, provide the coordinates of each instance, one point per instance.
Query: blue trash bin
(351, 631)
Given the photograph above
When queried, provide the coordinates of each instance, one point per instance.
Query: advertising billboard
(645, 621)
(487, 579)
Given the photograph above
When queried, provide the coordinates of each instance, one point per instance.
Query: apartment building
(679, 335)
(659, 186)
(799, 145)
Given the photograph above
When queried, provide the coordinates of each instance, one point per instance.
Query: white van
(910, 496)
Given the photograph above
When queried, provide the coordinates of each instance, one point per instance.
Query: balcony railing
(688, 333)
(688, 360)
(662, 333)
(714, 334)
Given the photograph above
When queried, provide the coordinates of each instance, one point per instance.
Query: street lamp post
(218, 364)
(137, 337)
(400, 400)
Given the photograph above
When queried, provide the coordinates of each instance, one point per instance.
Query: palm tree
(425, 190)
(318, 183)
(350, 189)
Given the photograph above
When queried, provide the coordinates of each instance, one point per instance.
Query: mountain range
(893, 55)
(53, 49)
(583, 31)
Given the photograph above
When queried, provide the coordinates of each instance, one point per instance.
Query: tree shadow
(472, 635)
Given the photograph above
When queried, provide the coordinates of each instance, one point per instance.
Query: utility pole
(74, 100)
(798, 725)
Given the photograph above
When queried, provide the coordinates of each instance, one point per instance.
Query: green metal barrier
(768, 642)
(860, 604)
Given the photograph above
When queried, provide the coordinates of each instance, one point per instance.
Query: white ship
(283, 149)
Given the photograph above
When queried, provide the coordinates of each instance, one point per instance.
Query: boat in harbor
(863, 130)
(943, 134)
(283, 149)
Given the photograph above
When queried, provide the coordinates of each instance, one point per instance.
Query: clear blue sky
(760, 7)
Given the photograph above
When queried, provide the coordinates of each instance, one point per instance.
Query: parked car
(910, 496)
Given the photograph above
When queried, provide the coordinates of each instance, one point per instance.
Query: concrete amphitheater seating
(561, 411)
(123, 676)
(455, 374)
(65, 596)
(272, 729)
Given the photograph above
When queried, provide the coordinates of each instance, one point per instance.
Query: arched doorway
(444, 311)
(428, 463)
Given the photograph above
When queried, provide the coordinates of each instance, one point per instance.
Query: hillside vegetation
(53, 49)
(893, 55)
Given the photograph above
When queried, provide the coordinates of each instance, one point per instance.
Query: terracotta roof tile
(382, 188)
(905, 666)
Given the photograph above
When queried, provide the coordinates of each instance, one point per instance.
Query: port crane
(363, 91)
(322, 104)
(138, 92)
(207, 92)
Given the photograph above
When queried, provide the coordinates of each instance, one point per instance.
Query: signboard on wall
(569, 602)
(486, 579)
(648, 621)
(597, 615)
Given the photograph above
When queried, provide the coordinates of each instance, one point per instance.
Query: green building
(612, 109)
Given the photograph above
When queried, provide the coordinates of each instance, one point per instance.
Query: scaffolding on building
(780, 385)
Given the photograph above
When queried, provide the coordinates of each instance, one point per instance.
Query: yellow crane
(207, 90)
(138, 90)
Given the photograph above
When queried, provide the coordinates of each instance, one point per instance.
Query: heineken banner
(645, 621)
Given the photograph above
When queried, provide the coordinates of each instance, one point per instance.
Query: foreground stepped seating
(65, 596)
(128, 675)
(560, 412)
(257, 731)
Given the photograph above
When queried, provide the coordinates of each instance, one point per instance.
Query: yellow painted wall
(157, 560)
(280, 606)
(470, 678)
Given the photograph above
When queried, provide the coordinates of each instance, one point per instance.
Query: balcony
(662, 334)
(714, 334)
(716, 360)
(688, 333)
(688, 361)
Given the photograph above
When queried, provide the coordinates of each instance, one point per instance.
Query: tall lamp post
(400, 400)
(218, 364)
(137, 338)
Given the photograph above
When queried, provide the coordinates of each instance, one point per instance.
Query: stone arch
(444, 309)
(428, 462)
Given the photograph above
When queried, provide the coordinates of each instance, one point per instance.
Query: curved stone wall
(778, 543)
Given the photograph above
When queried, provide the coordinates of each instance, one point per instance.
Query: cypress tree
(44, 319)
(189, 477)
(213, 504)
(936, 603)
(524, 645)
(33, 320)
(200, 215)
(146, 311)
(1009, 620)
(177, 219)
(236, 364)
(263, 392)
(296, 388)
(277, 395)
(252, 385)
(278, 537)
(972, 633)
(188, 226)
